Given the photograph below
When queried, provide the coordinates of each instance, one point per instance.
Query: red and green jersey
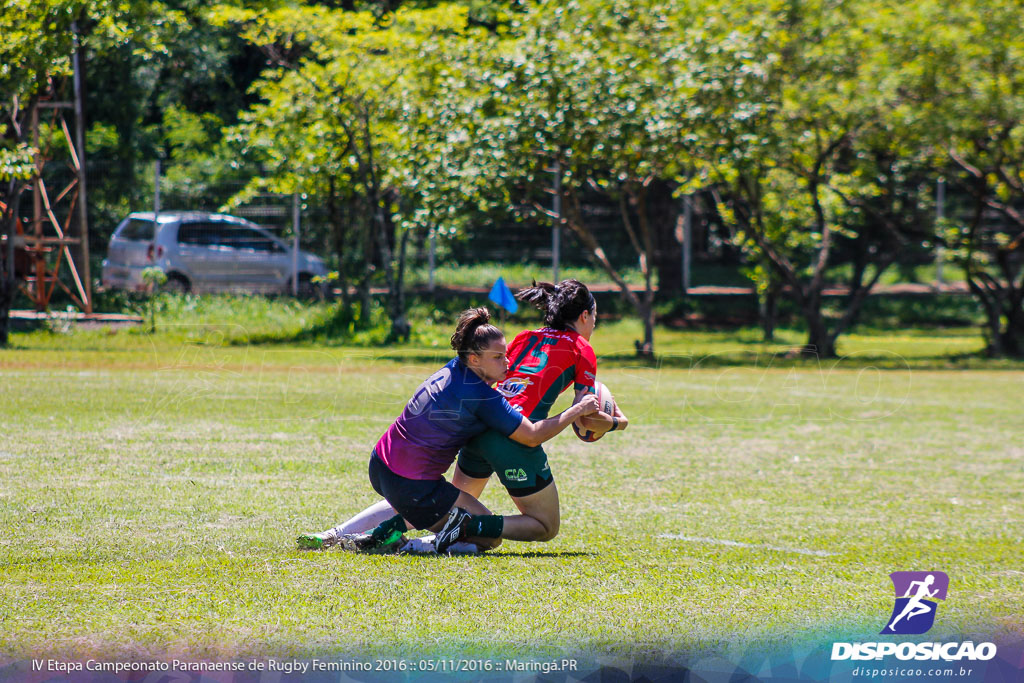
(542, 364)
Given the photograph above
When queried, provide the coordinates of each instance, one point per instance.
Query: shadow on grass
(539, 553)
(880, 360)
(542, 554)
(741, 355)
(741, 358)
(740, 350)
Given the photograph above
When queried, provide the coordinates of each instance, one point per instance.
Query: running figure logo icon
(916, 595)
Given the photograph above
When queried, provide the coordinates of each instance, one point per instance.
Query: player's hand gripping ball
(591, 428)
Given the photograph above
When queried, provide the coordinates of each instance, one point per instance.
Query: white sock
(463, 548)
(367, 519)
(425, 546)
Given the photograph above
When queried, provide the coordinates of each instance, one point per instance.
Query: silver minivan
(207, 252)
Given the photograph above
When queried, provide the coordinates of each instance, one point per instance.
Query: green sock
(485, 526)
(389, 528)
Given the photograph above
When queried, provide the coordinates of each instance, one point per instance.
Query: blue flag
(501, 295)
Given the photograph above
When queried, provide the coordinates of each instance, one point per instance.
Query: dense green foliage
(813, 132)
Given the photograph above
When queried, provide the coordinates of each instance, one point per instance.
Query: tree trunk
(820, 342)
(573, 217)
(1004, 339)
(993, 313)
(666, 222)
(856, 283)
(400, 327)
(368, 269)
(339, 229)
(1013, 338)
(6, 296)
(998, 298)
(995, 338)
(649, 248)
(5, 319)
(8, 282)
(645, 247)
(645, 349)
(1012, 302)
(769, 310)
(859, 293)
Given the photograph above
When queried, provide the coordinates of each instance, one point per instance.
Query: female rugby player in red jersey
(542, 364)
(453, 405)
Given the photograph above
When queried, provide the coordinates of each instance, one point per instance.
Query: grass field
(151, 488)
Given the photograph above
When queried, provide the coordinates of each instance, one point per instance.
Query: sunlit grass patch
(150, 498)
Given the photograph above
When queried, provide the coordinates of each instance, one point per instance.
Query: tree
(342, 115)
(760, 102)
(37, 38)
(799, 150)
(167, 91)
(975, 98)
(573, 89)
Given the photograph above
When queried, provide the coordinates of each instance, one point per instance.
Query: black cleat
(453, 531)
(366, 543)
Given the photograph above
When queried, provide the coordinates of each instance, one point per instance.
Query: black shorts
(422, 502)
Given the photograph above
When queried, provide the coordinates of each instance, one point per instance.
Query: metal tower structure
(50, 244)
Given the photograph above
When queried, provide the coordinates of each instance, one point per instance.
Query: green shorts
(521, 469)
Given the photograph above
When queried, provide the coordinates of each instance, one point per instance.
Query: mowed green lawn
(149, 500)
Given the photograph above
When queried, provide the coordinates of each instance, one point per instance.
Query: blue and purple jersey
(447, 410)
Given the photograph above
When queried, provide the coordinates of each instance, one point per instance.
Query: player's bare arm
(535, 433)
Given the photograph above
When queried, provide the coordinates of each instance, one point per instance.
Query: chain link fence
(518, 248)
(514, 247)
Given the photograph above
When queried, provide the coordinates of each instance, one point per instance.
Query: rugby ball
(588, 429)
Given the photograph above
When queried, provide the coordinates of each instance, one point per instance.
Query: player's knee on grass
(539, 503)
(551, 529)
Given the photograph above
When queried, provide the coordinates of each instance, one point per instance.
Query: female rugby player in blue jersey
(452, 406)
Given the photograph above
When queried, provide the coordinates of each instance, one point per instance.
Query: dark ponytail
(561, 304)
(473, 332)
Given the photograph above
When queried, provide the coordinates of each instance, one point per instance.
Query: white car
(207, 252)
